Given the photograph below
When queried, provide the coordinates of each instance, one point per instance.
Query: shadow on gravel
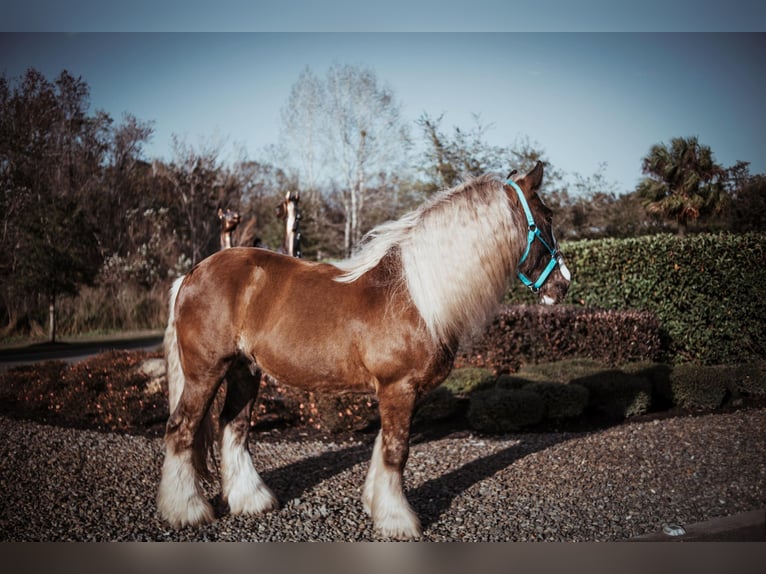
(434, 497)
(430, 500)
(291, 481)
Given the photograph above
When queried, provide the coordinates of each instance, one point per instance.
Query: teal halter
(534, 232)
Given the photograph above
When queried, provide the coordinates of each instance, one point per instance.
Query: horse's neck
(290, 229)
(225, 239)
(289, 241)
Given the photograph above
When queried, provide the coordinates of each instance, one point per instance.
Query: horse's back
(289, 316)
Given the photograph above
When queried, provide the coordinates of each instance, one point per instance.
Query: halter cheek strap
(532, 234)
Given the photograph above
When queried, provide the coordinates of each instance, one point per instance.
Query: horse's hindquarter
(303, 328)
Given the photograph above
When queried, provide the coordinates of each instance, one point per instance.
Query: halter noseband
(534, 232)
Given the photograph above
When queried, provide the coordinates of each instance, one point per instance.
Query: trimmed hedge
(750, 379)
(698, 387)
(617, 394)
(504, 410)
(561, 401)
(461, 381)
(708, 290)
(538, 333)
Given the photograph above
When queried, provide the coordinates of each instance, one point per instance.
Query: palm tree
(683, 182)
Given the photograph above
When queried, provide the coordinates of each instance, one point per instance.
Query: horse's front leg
(383, 495)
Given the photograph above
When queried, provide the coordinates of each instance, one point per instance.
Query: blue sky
(585, 98)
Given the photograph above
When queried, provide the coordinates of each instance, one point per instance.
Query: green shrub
(617, 394)
(438, 405)
(561, 371)
(699, 387)
(707, 290)
(499, 410)
(511, 382)
(658, 375)
(561, 400)
(750, 378)
(464, 380)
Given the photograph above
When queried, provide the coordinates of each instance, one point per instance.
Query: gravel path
(62, 484)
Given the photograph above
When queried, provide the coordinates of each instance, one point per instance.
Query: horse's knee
(395, 450)
(178, 432)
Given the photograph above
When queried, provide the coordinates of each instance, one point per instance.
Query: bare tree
(348, 129)
(302, 126)
(201, 185)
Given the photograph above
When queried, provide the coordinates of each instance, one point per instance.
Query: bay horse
(229, 220)
(389, 319)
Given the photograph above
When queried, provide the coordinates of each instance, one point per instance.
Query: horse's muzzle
(556, 286)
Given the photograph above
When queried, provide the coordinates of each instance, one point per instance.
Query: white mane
(457, 251)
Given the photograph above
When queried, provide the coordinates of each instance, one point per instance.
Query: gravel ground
(62, 484)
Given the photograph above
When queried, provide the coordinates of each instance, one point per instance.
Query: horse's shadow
(291, 481)
(429, 500)
(433, 498)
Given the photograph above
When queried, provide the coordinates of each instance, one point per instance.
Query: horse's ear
(220, 213)
(534, 178)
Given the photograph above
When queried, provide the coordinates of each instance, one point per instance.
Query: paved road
(74, 352)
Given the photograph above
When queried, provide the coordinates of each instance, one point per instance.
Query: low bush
(537, 333)
(561, 401)
(280, 405)
(699, 387)
(561, 371)
(338, 412)
(116, 391)
(438, 405)
(616, 394)
(500, 410)
(107, 392)
(464, 380)
(750, 379)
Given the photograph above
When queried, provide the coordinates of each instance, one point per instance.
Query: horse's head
(541, 266)
(229, 219)
(288, 204)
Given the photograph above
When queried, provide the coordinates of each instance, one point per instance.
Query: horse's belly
(315, 369)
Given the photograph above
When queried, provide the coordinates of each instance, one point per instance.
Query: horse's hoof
(260, 501)
(195, 512)
(399, 527)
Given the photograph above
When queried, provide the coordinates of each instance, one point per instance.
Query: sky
(586, 98)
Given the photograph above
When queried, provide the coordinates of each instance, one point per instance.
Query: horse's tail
(205, 437)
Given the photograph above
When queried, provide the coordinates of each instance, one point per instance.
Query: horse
(390, 319)
(229, 220)
(288, 211)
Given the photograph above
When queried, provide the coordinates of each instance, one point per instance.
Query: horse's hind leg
(383, 495)
(242, 487)
(180, 499)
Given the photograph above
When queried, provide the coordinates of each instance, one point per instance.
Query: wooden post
(52, 319)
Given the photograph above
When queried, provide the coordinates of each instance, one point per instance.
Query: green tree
(51, 151)
(450, 158)
(58, 247)
(683, 183)
(748, 199)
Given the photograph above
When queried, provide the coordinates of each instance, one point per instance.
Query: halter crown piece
(532, 233)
